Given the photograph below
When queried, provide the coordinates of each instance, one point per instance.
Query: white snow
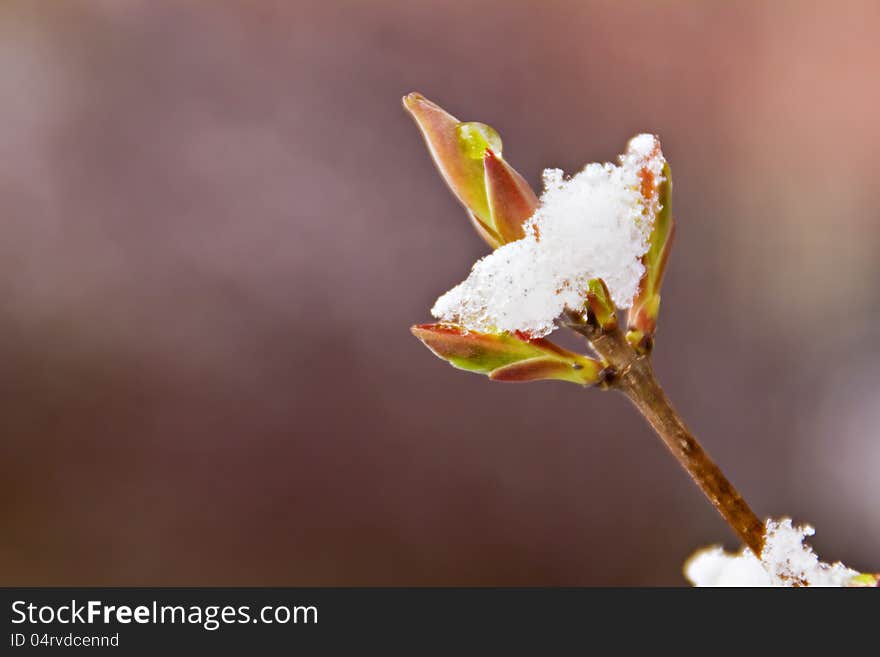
(593, 225)
(712, 566)
(785, 561)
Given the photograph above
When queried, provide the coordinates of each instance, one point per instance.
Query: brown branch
(632, 374)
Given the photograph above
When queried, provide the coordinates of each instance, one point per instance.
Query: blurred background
(217, 225)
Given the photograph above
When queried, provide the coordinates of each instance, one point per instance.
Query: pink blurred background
(218, 224)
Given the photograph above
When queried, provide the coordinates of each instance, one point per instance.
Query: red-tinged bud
(506, 357)
(511, 199)
(547, 369)
(642, 317)
(457, 150)
(469, 157)
(656, 193)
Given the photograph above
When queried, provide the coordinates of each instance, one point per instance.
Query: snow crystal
(793, 563)
(785, 561)
(594, 225)
(642, 145)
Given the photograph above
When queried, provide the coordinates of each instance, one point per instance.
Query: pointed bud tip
(417, 329)
(412, 99)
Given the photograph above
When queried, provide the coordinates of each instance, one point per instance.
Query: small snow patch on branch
(785, 561)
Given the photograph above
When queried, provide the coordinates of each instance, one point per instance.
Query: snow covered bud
(507, 357)
(468, 155)
(656, 191)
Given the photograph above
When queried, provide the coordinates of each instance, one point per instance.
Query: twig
(632, 373)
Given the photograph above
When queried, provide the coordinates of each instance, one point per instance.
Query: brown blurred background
(217, 224)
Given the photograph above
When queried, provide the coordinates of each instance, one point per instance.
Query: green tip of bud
(475, 138)
(865, 579)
